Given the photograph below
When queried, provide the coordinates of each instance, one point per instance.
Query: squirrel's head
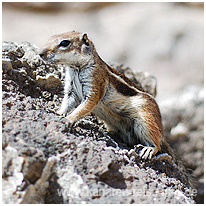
(72, 48)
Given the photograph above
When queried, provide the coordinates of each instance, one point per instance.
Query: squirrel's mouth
(48, 56)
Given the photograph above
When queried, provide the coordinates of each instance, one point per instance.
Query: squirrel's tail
(178, 162)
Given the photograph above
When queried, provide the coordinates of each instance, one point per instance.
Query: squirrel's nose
(43, 54)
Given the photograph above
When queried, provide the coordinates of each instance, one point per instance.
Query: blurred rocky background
(163, 39)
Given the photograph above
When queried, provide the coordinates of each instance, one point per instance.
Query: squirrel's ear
(85, 39)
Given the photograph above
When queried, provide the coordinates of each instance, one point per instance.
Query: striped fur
(93, 86)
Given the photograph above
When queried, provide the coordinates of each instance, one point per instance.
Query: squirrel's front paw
(60, 112)
(70, 121)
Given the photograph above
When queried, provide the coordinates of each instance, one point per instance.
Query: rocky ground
(44, 161)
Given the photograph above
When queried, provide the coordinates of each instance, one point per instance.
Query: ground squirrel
(93, 86)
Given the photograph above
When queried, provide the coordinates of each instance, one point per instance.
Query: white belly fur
(121, 116)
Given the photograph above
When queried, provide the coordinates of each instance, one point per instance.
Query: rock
(35, 193)
(179, 130)
(12, 176)
(6, 65)
(183, 121)
(56, 164)
(37, 6)
(34, 163)
(74, 188)
(49, 82)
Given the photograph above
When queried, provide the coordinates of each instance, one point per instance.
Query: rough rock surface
(183, 116)
(46, 162)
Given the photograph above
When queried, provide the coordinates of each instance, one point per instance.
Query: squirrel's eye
(64, 43)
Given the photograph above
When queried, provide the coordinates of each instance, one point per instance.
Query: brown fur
(125, 107)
